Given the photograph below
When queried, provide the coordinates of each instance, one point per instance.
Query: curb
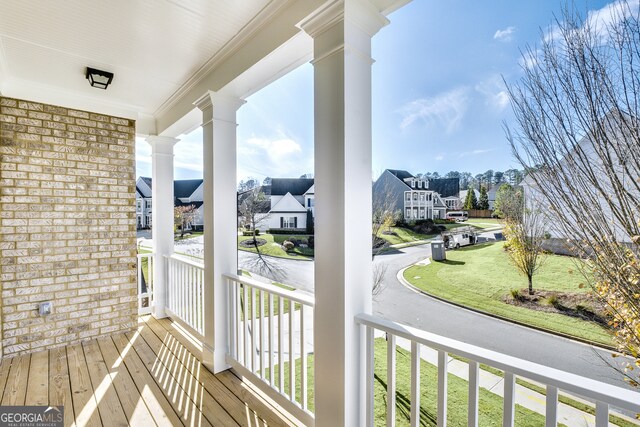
(405, 283)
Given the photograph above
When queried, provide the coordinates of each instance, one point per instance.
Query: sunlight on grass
(481, 276)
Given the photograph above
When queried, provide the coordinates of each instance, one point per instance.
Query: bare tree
(183, 217)
(577, 110)
(253, 207)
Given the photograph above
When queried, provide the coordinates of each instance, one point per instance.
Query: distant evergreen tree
(471, 202)
(310, 224)
(483, 203)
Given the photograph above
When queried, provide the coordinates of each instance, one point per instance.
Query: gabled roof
(288, 204)
(184, 188)
(438, 203)
(400, 174)
(311, 190)
(446, 187)
(196, 205)
(294, 186)
(147, 181)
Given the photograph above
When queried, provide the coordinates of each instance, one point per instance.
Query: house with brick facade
(109, 336)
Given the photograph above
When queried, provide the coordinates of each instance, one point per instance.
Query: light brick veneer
(67, 225)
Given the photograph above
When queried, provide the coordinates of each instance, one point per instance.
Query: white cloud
(278, 156)
(439, 157)
(494, 92)
(276, 149)
(504, 35)
(599, 20)
(611, 14)
(475, 152)
(446, 109)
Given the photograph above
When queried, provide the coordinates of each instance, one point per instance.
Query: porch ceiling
(165, 54)
(154, 47)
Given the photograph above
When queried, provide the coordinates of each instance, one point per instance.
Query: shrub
(515, 294)
(553, 300)
(287, 246)
(310, 242)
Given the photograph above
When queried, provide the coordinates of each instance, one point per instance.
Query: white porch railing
(604, 395)
(185, 283)
(269, 330)
(145, 283)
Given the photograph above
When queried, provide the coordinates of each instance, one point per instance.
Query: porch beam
(341, 33)
(161, 215)
(220, 220)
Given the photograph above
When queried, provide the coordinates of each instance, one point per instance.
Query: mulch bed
(581, 305)
(250, 244)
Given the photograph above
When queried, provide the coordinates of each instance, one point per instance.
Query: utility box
(438, 252)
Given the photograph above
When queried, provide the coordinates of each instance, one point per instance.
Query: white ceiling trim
(246, 33)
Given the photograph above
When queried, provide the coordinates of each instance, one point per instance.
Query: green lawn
(483, 222)
(490, 407)
(273, 247)
(403, 235)
(188, 235)
(480, 276)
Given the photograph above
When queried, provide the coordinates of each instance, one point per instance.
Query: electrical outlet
(46, 308)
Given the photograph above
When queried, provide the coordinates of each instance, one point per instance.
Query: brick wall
(67, 225)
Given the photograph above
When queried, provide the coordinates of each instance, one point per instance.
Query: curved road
(400, 304)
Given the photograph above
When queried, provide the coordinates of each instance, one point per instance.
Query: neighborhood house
(416, 198)
(187, 192)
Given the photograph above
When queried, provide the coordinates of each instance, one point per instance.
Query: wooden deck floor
(144, 378)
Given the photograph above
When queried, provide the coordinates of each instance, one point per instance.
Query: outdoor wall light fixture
(98, 78)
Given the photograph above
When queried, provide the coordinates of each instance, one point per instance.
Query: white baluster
(443, 359)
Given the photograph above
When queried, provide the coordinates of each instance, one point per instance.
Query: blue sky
(439, 101)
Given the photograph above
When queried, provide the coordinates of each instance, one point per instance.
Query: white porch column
(342, 33)
(220, 220)
(161, 215)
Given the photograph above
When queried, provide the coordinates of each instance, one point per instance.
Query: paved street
(400, 304)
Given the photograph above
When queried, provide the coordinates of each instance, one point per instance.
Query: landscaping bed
(272, 245)
(580, 305)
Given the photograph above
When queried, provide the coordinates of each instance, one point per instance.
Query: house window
(413, 184)
(415, 213)
(149, 221)
(289, 222)
(429, 197)
(139, 221)
(310, 203)
(421, 213)
(415, 196)
(419, 184)
(139, 205)
(407, 196)
(422, 197)
(408, 213)
(148, 204)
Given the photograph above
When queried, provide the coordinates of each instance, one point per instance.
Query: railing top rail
(146, 254)
(586, 387)
(305, 299)
(185, 261)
